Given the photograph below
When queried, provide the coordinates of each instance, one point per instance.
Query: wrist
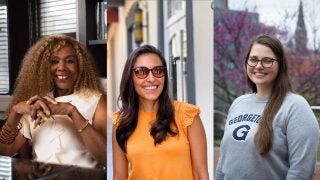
(15, 110)
(13, 115)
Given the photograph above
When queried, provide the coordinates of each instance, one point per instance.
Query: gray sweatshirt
(294, 148)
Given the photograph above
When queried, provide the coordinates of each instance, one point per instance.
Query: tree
(304, 71)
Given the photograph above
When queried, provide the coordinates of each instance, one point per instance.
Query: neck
(264, 91)
(58, 93)
(148, 106)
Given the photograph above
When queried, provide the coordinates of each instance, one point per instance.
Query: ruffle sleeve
(186, 114)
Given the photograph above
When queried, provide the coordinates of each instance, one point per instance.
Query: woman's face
(147, 86)
(263, 76)
(64, 70)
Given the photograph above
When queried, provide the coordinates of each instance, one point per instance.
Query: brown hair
(264, 136)
(128, 113)
(34, 78)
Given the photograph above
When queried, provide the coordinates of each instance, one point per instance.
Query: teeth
(150, 87)
(62, 77)
(259, 74)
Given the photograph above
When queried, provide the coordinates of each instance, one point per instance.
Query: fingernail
(54, 102)
(27, 102)
(46, 119)
(48, 113)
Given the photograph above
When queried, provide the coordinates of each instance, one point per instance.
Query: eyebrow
(262, 57)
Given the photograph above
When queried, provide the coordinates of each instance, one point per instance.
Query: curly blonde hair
(35, 78)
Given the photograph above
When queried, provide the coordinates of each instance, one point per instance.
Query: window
(4, 68)
(5, 170)
(58, 17)
(174, 7)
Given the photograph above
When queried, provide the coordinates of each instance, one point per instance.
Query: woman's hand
(36, 107)
(61, 108)
(31, 107)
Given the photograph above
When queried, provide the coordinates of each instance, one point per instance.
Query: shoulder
(185, 113)
(297, 105)
(184, 106)
(299, 114)
(241, 99)
(295, 100)
(88, 94)
(294, 97)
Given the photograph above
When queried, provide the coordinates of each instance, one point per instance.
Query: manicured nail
(46, 119)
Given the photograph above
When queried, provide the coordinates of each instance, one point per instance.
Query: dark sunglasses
(142, 72)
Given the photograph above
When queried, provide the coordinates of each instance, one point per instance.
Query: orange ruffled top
(169, 160)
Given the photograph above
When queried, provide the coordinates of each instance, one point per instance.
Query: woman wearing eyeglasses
(271, 133)
(153, 136)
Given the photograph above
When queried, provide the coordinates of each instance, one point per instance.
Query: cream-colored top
(58, 141)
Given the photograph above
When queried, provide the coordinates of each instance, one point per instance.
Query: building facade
(183, 31)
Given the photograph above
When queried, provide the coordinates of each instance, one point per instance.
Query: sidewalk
(217, 153)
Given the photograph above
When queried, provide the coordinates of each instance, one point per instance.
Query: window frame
(5, 45)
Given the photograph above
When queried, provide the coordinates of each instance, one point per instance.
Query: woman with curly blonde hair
(58, 105)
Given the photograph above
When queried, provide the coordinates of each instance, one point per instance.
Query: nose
(61, 66)
(150, 77)
(259, 64)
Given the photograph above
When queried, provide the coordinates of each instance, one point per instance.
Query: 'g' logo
(241, 132)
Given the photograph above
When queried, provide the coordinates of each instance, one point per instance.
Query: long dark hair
(264, 136)
(128, 113)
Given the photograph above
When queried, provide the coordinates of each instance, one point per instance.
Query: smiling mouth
(62, 77)
(259, 74)
(150, 87)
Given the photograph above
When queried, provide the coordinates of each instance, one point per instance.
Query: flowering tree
(304, 71)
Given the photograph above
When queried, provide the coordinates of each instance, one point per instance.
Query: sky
(273, 12)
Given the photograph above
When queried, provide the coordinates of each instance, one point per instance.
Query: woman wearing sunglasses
(153, 136)
(271, 133)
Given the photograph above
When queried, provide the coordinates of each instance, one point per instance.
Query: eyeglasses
(266, 62)
(143, 72)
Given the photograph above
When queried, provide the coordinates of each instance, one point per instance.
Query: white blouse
(57, 140)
